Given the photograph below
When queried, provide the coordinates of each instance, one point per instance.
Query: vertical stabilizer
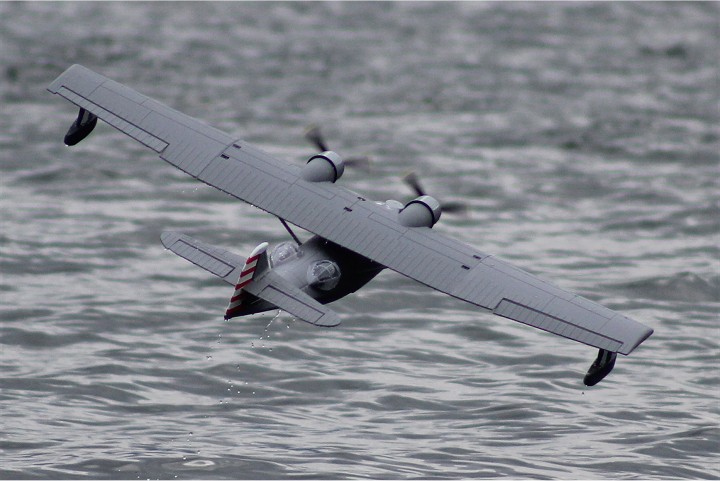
(255, 265)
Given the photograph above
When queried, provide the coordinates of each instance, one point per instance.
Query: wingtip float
(354, 238)
(81, 128)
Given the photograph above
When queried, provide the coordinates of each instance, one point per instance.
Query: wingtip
(57, 83)
(168, 238)
(328, 321)
(329, 326)
(646, 333)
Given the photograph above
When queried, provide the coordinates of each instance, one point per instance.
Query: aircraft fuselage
(323, 270)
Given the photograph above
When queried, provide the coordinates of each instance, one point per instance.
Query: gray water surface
(582, 136)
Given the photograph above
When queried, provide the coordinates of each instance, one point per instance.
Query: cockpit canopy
(283, 252)
(323, 275)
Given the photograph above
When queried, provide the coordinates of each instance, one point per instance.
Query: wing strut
(287, 228)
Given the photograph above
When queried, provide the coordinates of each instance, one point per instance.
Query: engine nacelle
(422, 212)
(325, 167)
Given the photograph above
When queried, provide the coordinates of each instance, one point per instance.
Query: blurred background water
(582, 136)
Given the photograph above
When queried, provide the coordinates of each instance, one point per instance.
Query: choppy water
(584, 138)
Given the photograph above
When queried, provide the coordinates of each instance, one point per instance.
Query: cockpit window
(283, 253)
(323, 275)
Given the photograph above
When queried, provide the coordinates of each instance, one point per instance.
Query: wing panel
(513, 310)
(388, 223)
(423, 236)
(132, 96)
(120, 105)
(84, 81)
(501, 267)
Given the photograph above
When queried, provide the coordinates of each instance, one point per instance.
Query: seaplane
(353, 238)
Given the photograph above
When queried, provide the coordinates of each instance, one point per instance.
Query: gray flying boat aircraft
(354, 237)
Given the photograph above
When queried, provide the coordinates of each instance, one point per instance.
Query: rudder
(255, 266)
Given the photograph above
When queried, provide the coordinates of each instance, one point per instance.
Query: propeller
(315, 137)
(413, 181)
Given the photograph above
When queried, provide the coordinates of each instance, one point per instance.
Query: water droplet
(208, 357)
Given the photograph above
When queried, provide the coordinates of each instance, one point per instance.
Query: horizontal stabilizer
(215, 260)
(275, 289)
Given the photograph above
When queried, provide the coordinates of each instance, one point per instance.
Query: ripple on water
(583, 137)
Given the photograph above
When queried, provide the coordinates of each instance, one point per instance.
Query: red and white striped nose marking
(246, 277)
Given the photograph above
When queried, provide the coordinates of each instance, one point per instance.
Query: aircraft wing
(346, 218)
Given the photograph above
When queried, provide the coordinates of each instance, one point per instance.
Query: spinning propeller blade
(413, 181)
(315, 137)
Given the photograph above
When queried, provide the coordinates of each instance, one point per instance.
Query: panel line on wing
(216, 271)
(536, 318)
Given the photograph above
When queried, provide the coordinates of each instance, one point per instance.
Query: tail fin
(255, 266)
